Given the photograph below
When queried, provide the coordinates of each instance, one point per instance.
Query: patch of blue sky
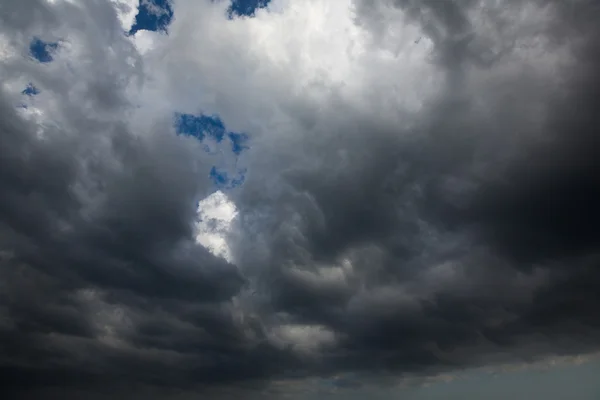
(42, 51)
(153, 15)
(200, 127)
(239, 142)
(245, 7)
(216, 140)
(223, 180)
(30, 90)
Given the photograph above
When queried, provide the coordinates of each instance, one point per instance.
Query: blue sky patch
(200, 127)
(210, 127)
(239, 142)
(211, 131)
(42, 51)
(222, 180)
(245, 7)
(218, 176)
(31, 90)
(153, 15)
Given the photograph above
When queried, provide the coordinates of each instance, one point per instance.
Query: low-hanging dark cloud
(461, 234)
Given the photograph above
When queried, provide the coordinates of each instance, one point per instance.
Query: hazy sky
(299, 199)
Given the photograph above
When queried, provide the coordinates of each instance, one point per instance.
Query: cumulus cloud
(418, 193)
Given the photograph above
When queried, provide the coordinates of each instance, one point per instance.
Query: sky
(299, 199)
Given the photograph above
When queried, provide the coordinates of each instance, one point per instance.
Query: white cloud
(252, 70)
(126, 11)
(215, 213)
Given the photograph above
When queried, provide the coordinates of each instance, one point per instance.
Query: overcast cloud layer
(421, 194)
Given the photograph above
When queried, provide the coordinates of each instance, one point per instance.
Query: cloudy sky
(303, 199)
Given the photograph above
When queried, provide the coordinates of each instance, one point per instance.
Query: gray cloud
(449, 226)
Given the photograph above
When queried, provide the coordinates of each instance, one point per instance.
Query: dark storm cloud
(497, 202)
(548, 197)
(467, 237)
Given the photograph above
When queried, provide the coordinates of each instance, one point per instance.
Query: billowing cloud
(250, 198)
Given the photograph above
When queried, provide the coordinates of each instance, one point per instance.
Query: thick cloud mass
(420, 194)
